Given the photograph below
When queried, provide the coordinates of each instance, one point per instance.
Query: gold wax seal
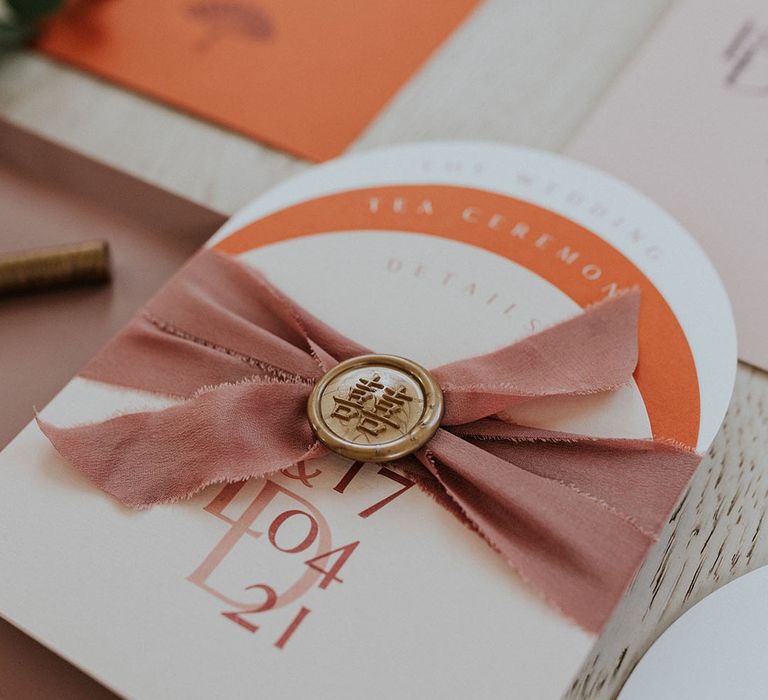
(375, 408)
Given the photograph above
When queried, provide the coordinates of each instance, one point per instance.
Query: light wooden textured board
(522, 71)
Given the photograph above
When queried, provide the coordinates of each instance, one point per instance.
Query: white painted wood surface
(522, 71)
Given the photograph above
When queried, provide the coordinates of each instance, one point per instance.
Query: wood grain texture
(522, 71)
(715, 534)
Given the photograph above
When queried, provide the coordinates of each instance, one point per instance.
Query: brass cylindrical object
(59, 266)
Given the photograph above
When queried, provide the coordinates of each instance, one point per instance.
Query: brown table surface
(50, 195)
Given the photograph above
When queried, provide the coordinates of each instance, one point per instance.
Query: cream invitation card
(437, 252)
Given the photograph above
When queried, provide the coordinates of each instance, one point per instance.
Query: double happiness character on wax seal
(375, 408)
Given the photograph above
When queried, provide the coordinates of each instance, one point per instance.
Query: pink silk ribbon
(574, 515)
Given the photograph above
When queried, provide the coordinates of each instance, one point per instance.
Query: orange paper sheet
(302, 75)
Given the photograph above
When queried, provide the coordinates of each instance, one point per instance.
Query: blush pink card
(686, 124)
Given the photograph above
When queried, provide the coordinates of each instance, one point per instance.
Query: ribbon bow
(573, 514)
